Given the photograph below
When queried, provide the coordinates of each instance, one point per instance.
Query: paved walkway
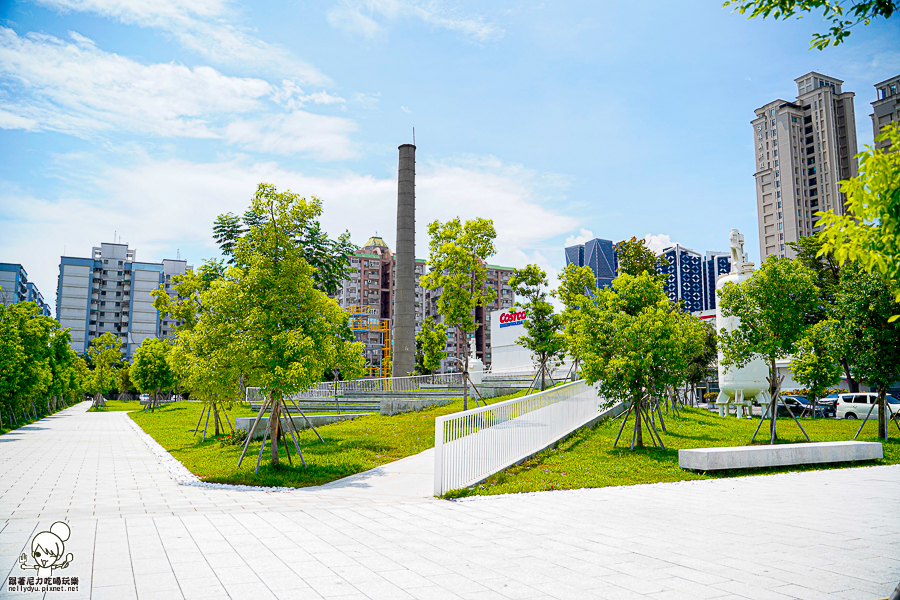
(137, 533)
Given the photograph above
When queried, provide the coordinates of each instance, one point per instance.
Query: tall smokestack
(404, 338)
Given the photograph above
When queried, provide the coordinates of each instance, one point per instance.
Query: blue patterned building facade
(685, 281)
(599, 255)
(714, 264)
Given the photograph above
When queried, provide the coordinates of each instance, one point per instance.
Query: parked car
(799, 405)
(857, 406)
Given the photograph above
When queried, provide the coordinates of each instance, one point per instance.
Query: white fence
(326, 389)
(469, 446)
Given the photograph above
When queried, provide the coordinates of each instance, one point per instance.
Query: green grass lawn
(350, 447)
(119, 405)
(587, 458)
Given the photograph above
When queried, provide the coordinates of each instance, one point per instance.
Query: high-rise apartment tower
(886, 108)
(802, 149)
(110, 293)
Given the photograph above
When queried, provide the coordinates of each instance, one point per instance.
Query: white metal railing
(470, 446)
(326, 389)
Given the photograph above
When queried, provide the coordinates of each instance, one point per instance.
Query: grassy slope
(587, 458)
(351, 446)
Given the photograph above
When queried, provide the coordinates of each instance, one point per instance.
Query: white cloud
(200, 25)
(76, 88)
(322, 137)
(159, 205)
(584, 235)
(406, 110)
(657, 242)
(359, 17)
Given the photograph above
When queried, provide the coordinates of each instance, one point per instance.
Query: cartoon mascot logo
(47, 549)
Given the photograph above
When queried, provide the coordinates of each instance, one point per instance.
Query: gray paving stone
(145, 534)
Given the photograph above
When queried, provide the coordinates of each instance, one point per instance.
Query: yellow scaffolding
(364, 321)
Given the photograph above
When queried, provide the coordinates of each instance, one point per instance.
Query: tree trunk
(773, 403)
(543, 373)
(852, 384)
(216, 414)
(638, 433)
(466, 377)
(882, 412)
(274, 421)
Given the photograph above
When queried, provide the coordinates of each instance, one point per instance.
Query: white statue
(739, 387)
(476, 365)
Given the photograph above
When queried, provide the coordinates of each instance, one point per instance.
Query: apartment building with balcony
(802, 150)
(109, 293)
(15, 287)
(886, 108)
(371, 283)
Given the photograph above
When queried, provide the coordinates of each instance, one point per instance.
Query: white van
(857, 406)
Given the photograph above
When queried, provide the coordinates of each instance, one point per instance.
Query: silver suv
(857, 406)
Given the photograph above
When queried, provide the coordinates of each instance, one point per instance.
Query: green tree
(869, 232)
(431, 344)
(185, 306)
(774, 306)
(843, 15)
(62, 361)
(815, 363)
(810, 253)
(123, 380)
(151, 371)
(635, 257)
(456, 258)
(864, 303)
(265, 318)
(105, 353)
(12, 363)
(34, 335)
(329, 258)
(625, 337)
(702, 363)
(79, 378)
(543, 327)
(577, 285)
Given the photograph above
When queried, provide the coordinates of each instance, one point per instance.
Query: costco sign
(508, 319)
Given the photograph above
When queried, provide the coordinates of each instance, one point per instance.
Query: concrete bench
(779, 455)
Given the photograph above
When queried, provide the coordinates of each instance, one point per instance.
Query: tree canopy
(869, 232)
(431, 344)
(773, 307)
(456, 258)
(543, 326)
(863, 304)
(842, 15)
(151, 370)
(265, 319)
(635, 257)
(329, 258)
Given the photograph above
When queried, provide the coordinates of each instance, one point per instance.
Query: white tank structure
(739, 386)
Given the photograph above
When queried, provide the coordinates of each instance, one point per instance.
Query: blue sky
(561, 121)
